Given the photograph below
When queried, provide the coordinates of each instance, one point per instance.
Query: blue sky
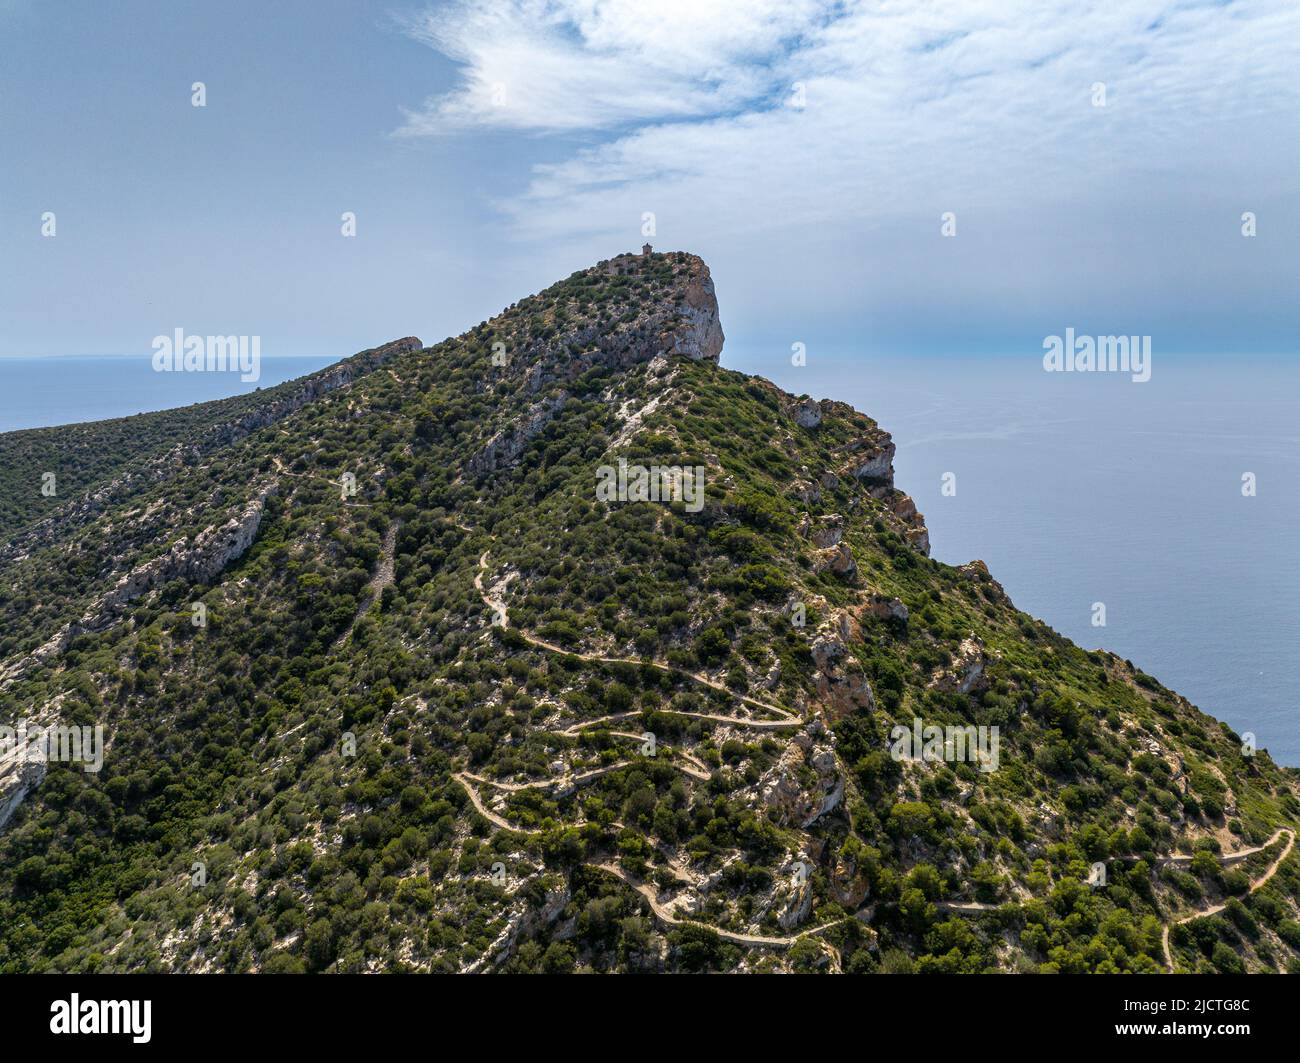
(488, 149)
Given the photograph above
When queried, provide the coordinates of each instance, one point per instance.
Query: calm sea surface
(1074, 488)
(1082, 488)
(35, 392)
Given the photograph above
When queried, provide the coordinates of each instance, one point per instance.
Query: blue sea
(35, 392)
(1074, 489)
(1084, 488)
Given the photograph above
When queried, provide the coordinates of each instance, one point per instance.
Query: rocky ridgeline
(506, 445)
(684, 321)
(86, 507)
(314, 387)
(197, 562)
(841, 687)
(212, 549)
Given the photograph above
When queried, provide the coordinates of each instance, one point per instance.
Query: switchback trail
(1233, 858)
(666, 915)
(788, 718)
(1227, 859)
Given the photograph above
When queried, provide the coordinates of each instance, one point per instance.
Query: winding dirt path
(1231, 858)
(1226, 859)
(692, 767)
(280, 468)
(568, 780)
(667, 916)
(787, 719)
(480, 807)
(966, 906)
(502, 619)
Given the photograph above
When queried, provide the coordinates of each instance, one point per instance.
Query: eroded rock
(808, 413)
(837, 559)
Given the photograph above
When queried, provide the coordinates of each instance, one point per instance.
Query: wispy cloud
(590, 65)
(691, 109)
(907, 105)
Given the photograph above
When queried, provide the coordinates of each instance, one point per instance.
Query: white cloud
(910, 105)
(599, 64)
(913, 108)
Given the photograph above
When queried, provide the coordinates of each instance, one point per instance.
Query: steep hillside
(558, 646)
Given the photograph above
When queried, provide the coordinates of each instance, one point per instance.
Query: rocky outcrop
(869, 459)
(967, 669)
(873, 461)
(848, 885)
(198, 562)
(914, 529)
(523, 922)
(978, 572)
(21, 770)
(919, 539)
(842, 693)
(841, 686)
(808, 413)
(506, 445)
(790, 896)
(836, 559)
(806, 491)
(23, 760)
(795, 905)
(885, 608)
(804, 784)
(823, 532)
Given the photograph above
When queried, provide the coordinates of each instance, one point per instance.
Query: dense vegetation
(280, 789)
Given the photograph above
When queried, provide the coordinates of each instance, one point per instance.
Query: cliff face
(21, 771)
(520, 722)
(701, 336)
(869, 459)
(198, 562)
(681, 320)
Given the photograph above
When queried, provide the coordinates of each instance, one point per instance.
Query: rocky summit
(558, 646)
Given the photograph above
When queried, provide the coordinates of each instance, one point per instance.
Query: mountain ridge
(433, 602)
